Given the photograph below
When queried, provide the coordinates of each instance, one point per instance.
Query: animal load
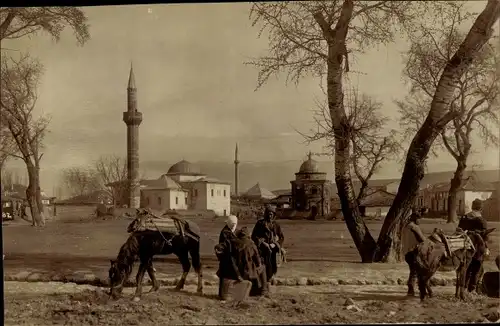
(457, 241)
(147, 220)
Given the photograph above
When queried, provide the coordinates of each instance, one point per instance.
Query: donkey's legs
(151, 272)
(461, 273)
(195, 257)
(473, 274)
(139, 278)
(412, 278)
(428, 288)
(186, 266)
(422, 285)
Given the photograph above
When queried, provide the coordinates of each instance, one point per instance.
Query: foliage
(18, 22)
(475, 94)
(19, 82)
(371, 144)
(80, 181)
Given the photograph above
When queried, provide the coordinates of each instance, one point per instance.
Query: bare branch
(18, 22)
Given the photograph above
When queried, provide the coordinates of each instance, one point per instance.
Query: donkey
(423, 265)
(146, 244)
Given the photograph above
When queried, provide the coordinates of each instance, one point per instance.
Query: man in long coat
(228, 268)
(268, 238)
(249, 263)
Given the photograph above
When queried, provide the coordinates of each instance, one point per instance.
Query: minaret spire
(236, 162)
(132, 119)
(131, 78)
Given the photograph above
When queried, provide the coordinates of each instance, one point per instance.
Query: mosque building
(184, 187)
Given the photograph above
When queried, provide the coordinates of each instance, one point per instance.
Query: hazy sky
(196, 95)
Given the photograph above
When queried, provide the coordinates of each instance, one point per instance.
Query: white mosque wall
(218, 198)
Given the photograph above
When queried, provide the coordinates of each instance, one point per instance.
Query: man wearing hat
(474, 221)
(268, 238)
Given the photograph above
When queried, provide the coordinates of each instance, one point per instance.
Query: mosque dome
(184, 167)
(309, 166)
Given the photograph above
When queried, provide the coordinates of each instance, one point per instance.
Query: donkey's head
(479, 239)
(117, 273)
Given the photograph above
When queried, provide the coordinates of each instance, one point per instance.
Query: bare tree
(317, 38)
(80, 181)
(370, 144)
(475, 98)
(19, 82)
(18, 22)
(111, 172)
(7, 144)
(440, 114)
(7, 179)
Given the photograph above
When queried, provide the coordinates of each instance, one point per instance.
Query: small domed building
(185, 187)
(310, 189)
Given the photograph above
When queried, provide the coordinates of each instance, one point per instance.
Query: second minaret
(236, 162)
(132, 119)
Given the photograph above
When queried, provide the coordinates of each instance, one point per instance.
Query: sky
(194, 90)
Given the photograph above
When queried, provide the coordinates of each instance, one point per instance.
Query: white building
(435, 197)
(184, 187)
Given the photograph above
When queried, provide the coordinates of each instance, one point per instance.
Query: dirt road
(57, 303)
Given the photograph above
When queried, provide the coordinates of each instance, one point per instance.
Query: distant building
(184, 187)
(435, 197)
(257, 192)
(376, 203)
(310, 189)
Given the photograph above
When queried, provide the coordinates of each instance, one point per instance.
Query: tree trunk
(336, 39)
(439, 115)
(455, 184)
(33, 195)
(360, 234)
(362, 191)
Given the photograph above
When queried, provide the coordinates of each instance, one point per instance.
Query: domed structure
(185, 168)
(309, 166)
(310, 189)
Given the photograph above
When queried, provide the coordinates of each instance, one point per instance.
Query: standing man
(268, 238)
(228, 269)
(473, 220)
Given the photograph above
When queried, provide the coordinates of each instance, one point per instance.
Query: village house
(376, 203)
(435, 197)
(184, 187)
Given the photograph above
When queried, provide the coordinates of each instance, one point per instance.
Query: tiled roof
(378, 198)
(258, 192)
(163, 182)
(469, 184)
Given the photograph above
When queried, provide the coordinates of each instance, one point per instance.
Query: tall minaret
(132, 119)
(236, 162)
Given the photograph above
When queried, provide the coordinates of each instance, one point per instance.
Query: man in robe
(268, 238)
(228, 268)
(249, 263)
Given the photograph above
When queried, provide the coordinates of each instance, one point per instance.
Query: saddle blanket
(456, 241)
(172, 224)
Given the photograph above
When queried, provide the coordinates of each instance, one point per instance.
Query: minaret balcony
(133, 118)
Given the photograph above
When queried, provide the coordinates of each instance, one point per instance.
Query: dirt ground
(319, 248)
(68, 304)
